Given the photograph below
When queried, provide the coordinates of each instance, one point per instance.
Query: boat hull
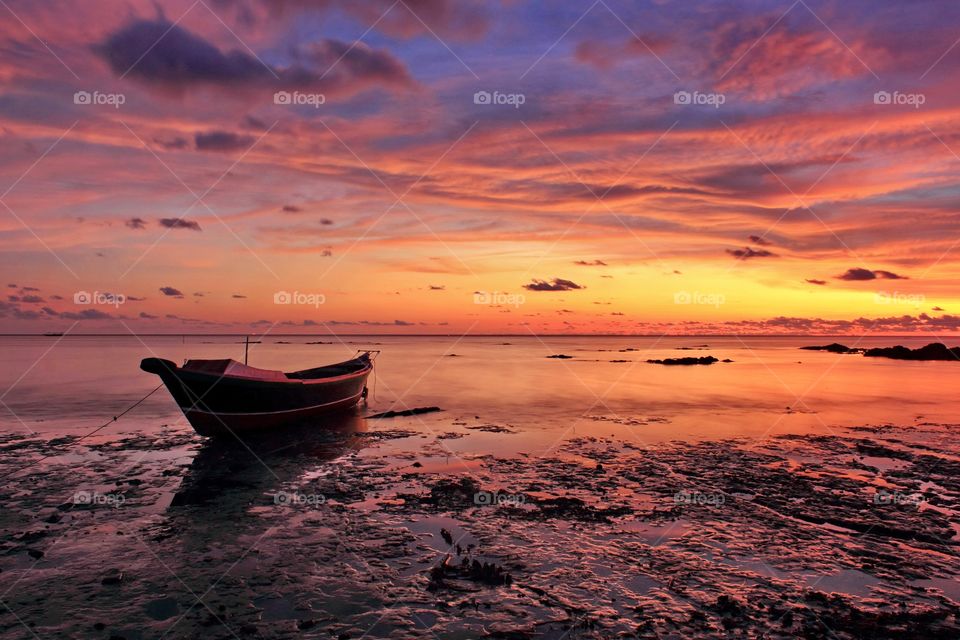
(217, 405)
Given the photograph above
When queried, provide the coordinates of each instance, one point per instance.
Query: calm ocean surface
(74, 383)
(632, 499)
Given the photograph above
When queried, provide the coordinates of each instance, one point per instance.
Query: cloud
(903, 323)
(238, 296)
(604, 54)
(161, 52)
(938, 309)
(815, 281)
(173, 144)
(858, 274)
(86, 314)
(761, 241)
(435, 287)
(749, 252)
(221, 141)
(136, 223)
(457, 19)
(170, 291)
(168, 57)
(766, 57)
(889, 275)
(32, 299)
(558, 284)
(590, 263)
(179, 223)
(147, 316)
(291, 208)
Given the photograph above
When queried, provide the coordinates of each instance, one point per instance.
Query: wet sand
(375, 530)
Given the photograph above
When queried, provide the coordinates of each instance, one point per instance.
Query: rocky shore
(377, 530)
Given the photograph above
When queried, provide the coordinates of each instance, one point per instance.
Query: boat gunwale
(180, 372)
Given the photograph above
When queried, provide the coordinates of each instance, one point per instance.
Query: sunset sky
(441, 166)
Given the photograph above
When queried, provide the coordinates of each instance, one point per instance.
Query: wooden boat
(225, 396)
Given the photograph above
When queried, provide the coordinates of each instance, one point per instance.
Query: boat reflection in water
(237, 470)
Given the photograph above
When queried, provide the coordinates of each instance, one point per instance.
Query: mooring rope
(104, 425)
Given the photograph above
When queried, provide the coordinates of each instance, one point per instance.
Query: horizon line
(51, 334)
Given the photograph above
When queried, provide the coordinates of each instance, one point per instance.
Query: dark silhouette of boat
(233, 473)
(225, 396)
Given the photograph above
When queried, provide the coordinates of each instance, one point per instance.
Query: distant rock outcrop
(703, 360)
(933, 351)
(834, 347)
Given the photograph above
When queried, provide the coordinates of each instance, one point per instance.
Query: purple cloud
(167, 56)
(221, 141)
(749, 252)
(859, 274)
(558, 284)
(172, 292)
(179, 223)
